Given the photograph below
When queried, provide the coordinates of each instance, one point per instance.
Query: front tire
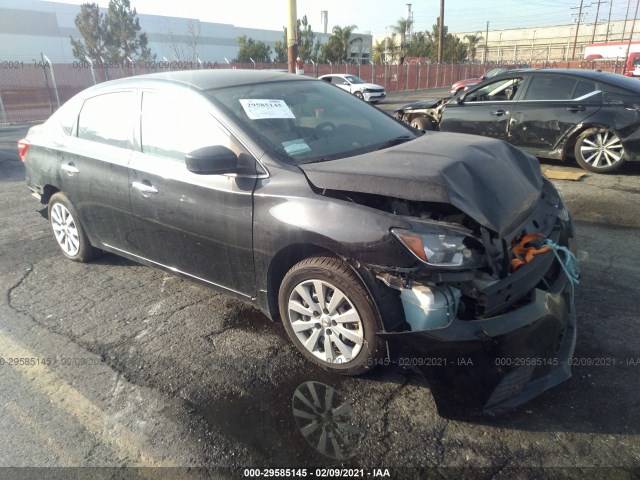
(422, 123)
(330, 317)
(599, 150)
(359, 95)
(67, 230)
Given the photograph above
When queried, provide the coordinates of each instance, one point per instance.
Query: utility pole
(575, 41)
(624, 27)
(441, 33)
(606, 38)
(633, 24)
(595, 23)
(292, 41)
(486, 43)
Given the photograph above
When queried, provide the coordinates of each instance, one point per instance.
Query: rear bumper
(493, 365)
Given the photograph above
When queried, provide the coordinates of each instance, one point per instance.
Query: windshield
(309, 121)
(353, 79)
(494, 71)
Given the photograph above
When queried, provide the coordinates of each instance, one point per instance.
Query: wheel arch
(386, 300)
(572, 137)
(47, 192)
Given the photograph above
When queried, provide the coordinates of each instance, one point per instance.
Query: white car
(369, 92)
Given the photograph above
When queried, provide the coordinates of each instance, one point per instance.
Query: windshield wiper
(395, 141)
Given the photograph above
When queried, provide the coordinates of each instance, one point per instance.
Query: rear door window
(108, 119)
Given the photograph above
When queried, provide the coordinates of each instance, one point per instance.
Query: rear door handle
(499, 113)
(577, 108)
(70, 168)
(144, 187)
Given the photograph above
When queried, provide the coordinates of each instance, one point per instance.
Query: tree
(114, 37)
(402, 28)
(473, 41)
(308, 47)
(91, 25)
(337, 47)
(454, 50)
(379, 51)
(280, 49)
(187, 50)
(250, 49)
(122, 33)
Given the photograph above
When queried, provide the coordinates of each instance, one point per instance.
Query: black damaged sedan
(344, 224)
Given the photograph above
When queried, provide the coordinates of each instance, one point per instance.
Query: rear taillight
(23, 146)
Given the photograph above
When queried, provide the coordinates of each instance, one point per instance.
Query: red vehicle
(470, 82)
(617, 51)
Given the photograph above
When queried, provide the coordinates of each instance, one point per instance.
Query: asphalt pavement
(120, 365)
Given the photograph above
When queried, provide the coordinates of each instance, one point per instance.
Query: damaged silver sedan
(366, 239)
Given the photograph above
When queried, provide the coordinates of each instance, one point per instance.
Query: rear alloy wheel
(421, 123)
(329, 316)
(359, 95)
(67, 230)
(599, 150)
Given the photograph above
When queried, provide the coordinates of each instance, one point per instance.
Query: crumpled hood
(362, 86)
(428, 103)
(493, 182)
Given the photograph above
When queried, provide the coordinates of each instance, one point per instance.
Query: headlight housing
(442, 246)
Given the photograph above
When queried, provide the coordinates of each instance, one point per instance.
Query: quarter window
(108, 119)
(550, 87)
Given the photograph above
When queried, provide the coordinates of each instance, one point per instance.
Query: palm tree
(474, 42)
(379, 50)
(402, 28)
(343, 34)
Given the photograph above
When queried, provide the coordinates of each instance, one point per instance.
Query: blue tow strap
(568, 261)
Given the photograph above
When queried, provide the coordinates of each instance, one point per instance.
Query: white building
(50, 26)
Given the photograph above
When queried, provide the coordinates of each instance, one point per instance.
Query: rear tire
(330, 317)
(599, 150)
(67, 230)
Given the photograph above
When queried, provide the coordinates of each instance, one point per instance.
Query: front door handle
(70, 168)
(144, 188)
(577, 108)
(499, 113)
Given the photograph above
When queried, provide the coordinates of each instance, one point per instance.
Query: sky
(376, 16)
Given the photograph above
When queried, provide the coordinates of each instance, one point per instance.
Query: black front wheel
(422, 123)
(330, 317)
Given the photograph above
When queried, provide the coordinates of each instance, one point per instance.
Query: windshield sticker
(257, 109)
(296, 147)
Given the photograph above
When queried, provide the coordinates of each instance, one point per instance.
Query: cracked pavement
(148, 369)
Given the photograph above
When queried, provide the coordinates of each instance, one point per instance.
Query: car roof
(204, 79)
(596, 75)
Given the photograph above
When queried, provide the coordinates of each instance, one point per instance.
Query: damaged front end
(487, 338)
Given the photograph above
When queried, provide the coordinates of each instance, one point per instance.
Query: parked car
(354, 230)
(553, 113)
(466, 84)
(369, 92)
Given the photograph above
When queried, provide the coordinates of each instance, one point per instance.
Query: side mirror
(460, 99)
(214, 160)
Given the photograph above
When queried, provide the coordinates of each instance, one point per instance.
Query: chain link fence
(31, 92)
